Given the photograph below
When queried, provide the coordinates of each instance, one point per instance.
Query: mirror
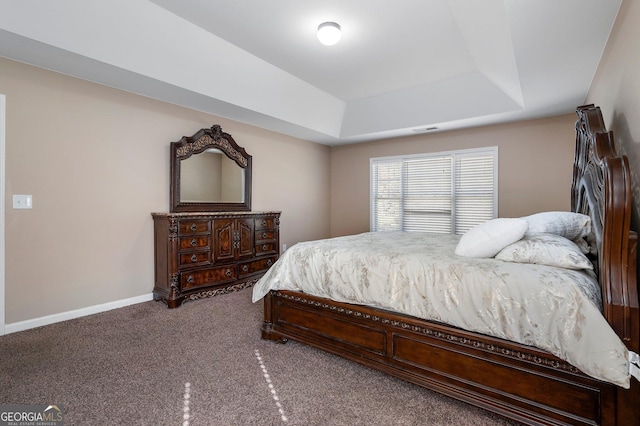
(209, 172)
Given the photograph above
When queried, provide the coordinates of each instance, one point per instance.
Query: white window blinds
(445, 192)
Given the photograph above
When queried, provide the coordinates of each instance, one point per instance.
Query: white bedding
(555, 309)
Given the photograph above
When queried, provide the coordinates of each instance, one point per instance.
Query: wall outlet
(22, 202)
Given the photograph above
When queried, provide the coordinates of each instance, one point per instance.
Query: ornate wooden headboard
(601, 188)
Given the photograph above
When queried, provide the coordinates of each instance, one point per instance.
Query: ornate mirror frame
(201, 141)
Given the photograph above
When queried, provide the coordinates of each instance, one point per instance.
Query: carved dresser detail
(202, 254)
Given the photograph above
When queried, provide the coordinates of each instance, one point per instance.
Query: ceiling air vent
(425, 129)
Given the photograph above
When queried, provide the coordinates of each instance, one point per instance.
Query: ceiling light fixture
(329, 33)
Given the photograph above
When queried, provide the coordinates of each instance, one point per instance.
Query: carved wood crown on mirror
(209, 191)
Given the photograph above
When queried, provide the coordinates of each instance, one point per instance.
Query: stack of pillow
(548, 238)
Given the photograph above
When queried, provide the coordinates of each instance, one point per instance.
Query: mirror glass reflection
(211, 177)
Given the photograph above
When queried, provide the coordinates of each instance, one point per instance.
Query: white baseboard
(64, 316)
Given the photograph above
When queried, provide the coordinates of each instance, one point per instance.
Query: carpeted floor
(205, 364)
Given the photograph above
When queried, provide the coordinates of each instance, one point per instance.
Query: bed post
(267, 325)
(599, 171)
(628, 405)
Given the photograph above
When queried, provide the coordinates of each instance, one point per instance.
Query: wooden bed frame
(517, 381)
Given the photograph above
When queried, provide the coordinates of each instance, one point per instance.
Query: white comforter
(555, 309)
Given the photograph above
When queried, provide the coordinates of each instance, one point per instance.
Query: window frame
(454, 155)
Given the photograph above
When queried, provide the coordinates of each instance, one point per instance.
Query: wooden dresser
(203, 254)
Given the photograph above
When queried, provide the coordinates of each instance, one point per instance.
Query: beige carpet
(205, 364)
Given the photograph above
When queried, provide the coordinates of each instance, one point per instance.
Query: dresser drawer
(194, 227)
(195, 242)
(196, 258)
(256, 266)
(266, 234)
(207, 277)
(265, 223)
(266, 248)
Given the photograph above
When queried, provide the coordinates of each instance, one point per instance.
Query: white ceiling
(401, 66)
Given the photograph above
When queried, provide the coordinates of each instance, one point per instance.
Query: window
(446, 192)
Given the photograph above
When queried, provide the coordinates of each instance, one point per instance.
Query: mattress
(552, 308)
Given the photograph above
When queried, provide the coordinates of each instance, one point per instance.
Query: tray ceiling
(400, 67)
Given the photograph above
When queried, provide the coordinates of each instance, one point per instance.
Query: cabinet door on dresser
(233, 239)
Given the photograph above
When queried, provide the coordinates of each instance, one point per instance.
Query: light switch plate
(22, 201)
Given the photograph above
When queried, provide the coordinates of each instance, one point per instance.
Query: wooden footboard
(516, 381)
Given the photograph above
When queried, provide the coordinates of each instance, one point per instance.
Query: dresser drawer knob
(194, 258)
(264, 247)
(193, 227)
(269, 262)
(228, 273)
(194, 243)
(245, 268)
(264, 235)
(264, 222)
(190, 279)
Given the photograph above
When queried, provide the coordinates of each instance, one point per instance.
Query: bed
(519, 374)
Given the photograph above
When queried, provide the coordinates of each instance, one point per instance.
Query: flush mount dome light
(329, 33)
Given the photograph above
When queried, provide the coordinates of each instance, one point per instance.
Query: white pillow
(546, 249)
(566, 224)
(583, 245)
(488, 238)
